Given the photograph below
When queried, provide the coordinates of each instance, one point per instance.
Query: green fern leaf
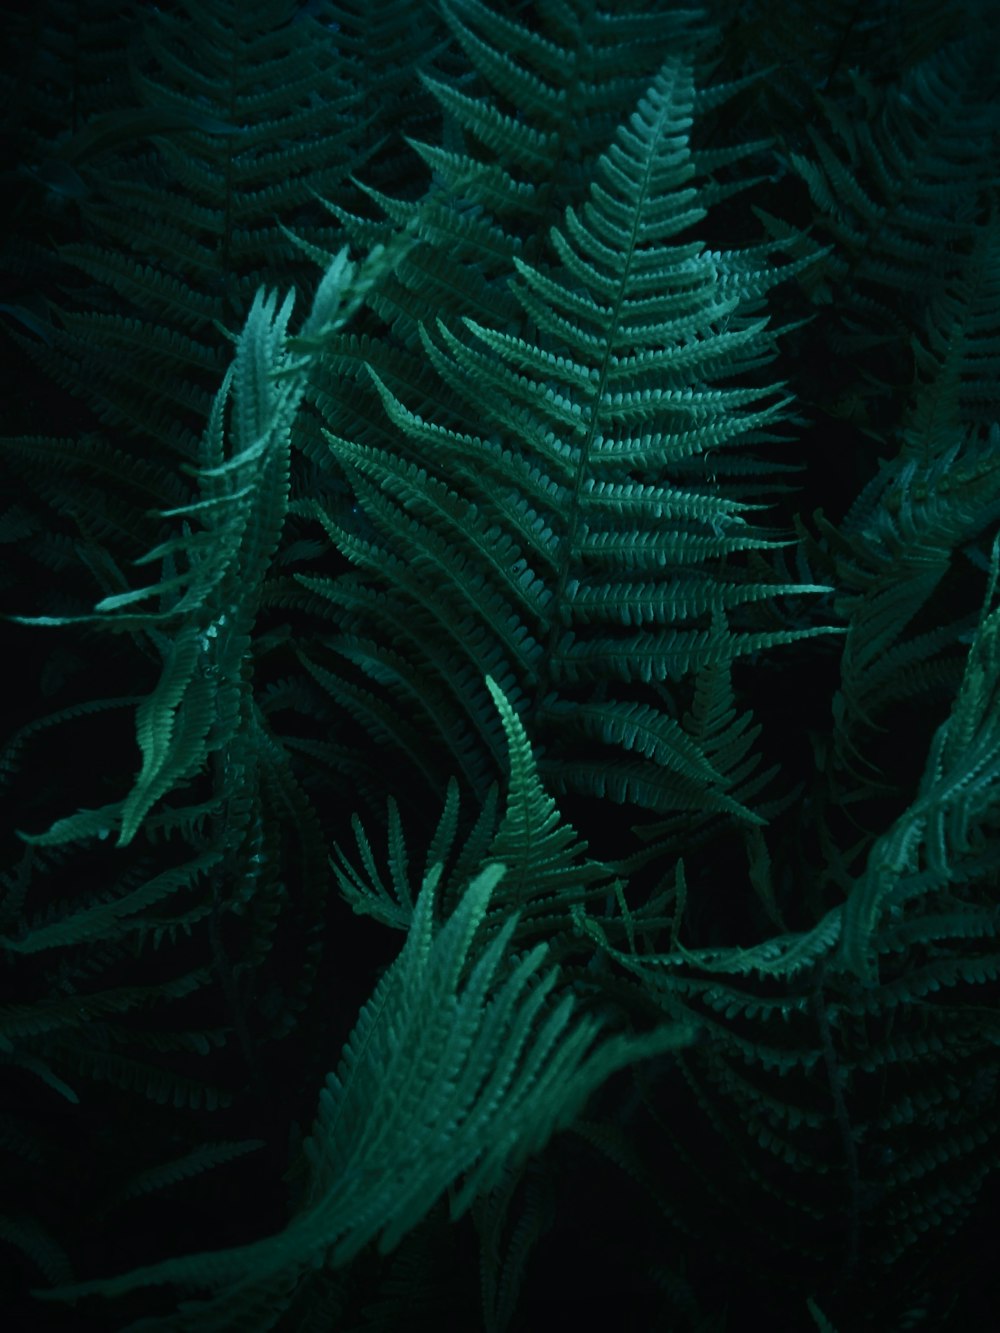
(437, 1083)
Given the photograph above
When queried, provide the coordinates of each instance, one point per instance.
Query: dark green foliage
(596, 587)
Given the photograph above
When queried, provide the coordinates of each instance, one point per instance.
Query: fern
(566, 550)
(461, 1065)
(494, 604)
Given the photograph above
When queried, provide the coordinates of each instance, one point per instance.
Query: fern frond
(436, 1083)
(620, 380)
